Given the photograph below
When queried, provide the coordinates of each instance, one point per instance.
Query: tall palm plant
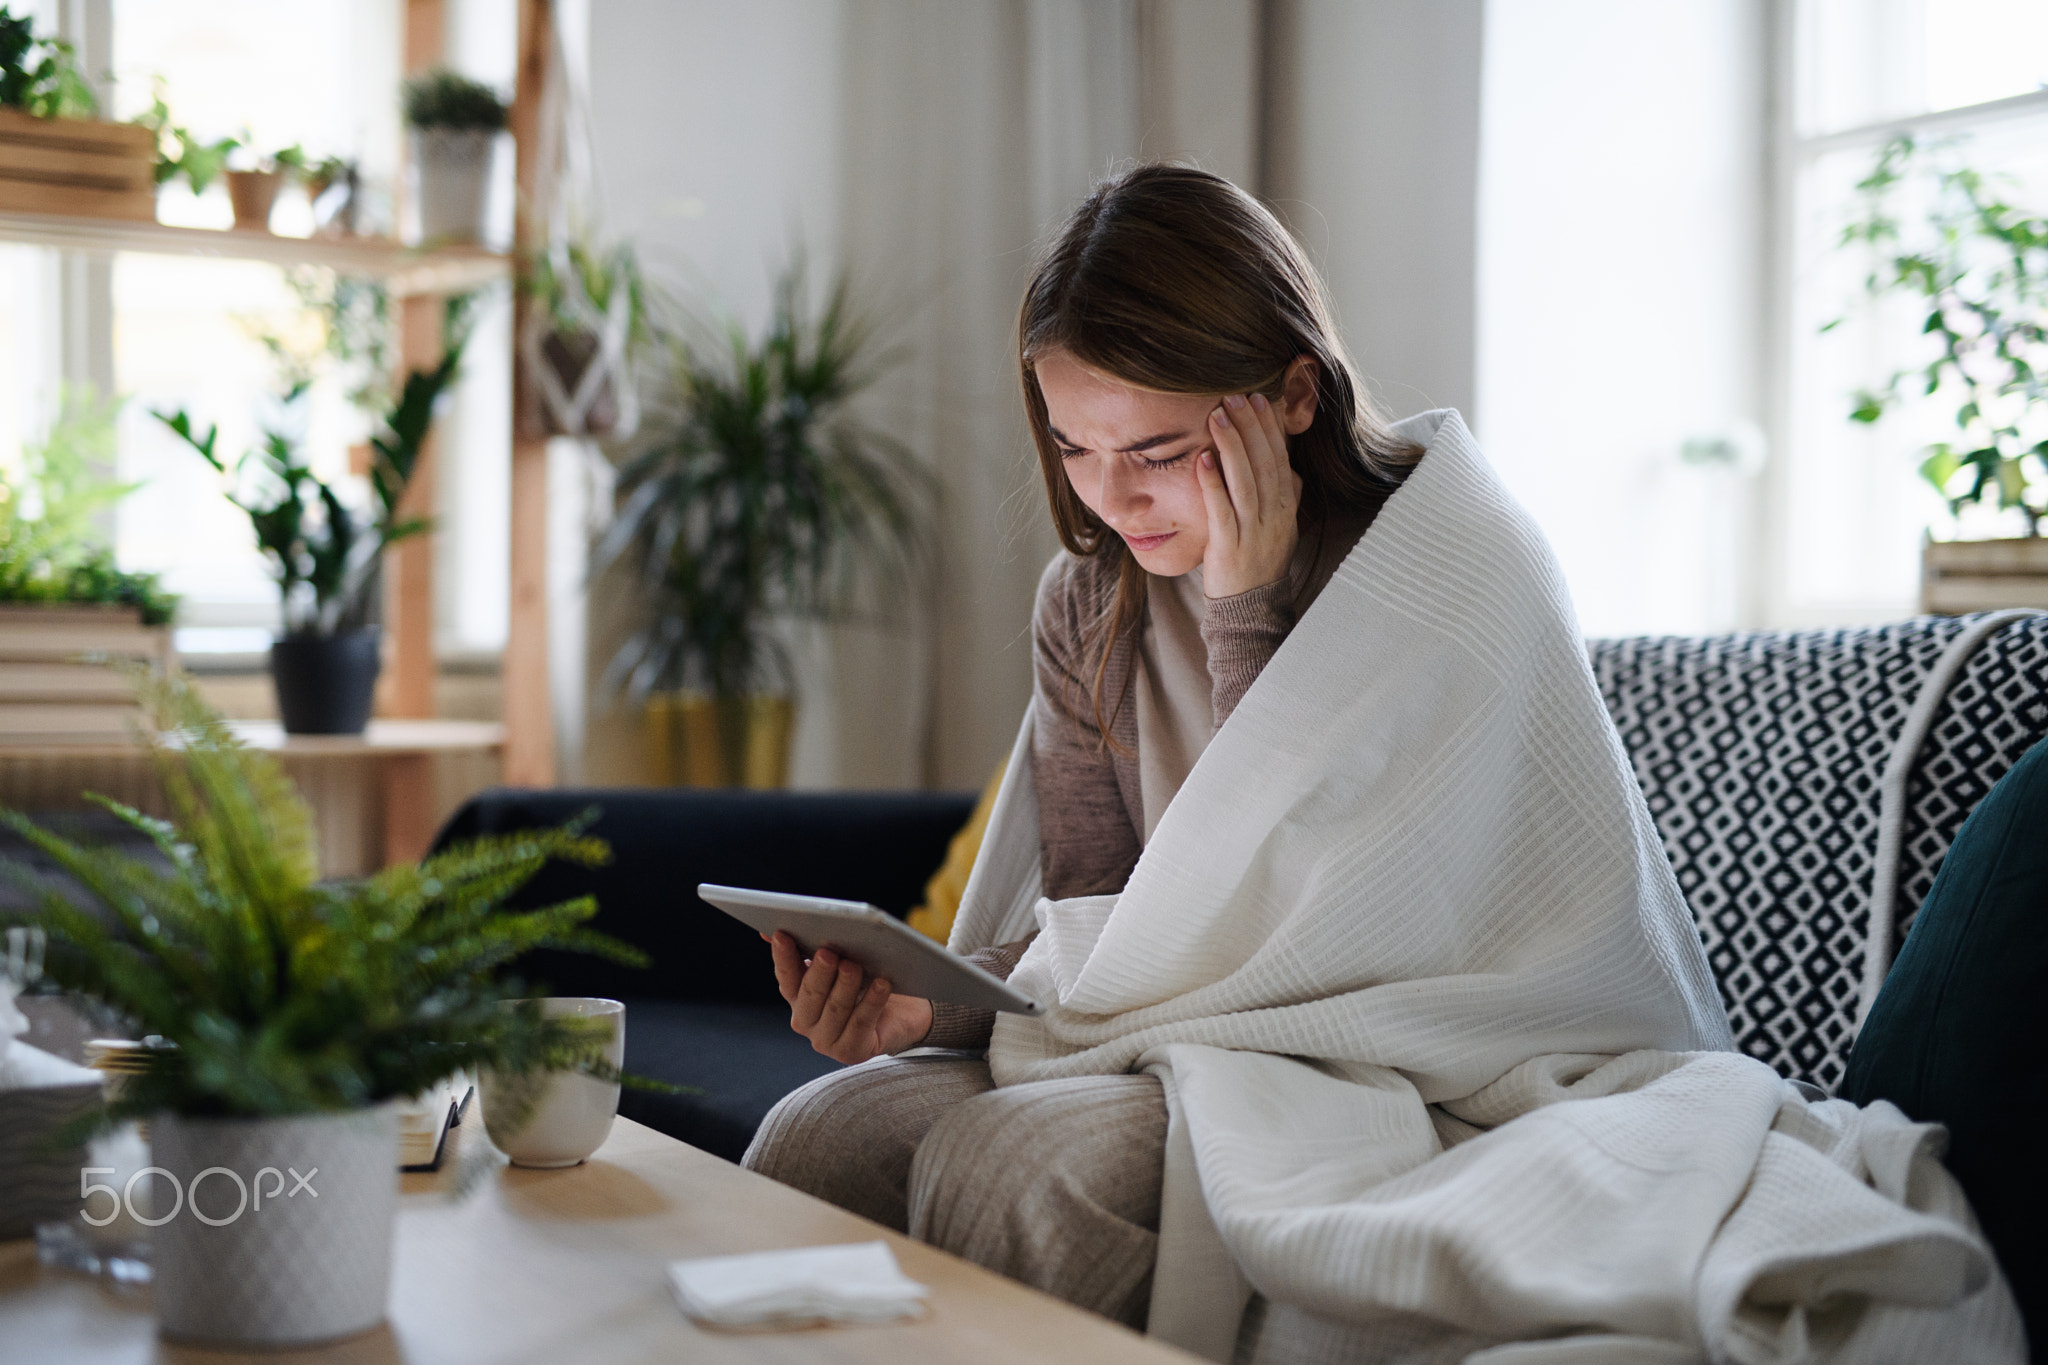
(761, 499)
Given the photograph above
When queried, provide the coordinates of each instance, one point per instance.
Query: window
(183, 332)
(1861, 72)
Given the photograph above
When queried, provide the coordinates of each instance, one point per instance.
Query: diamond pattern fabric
(1995, 710)
(1761, 756)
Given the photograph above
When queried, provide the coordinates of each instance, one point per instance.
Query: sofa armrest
(872, 846)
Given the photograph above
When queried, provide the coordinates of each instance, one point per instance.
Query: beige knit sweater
(1091, 815)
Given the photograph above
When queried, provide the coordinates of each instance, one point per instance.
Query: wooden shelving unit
(406, 271)
(418, 278)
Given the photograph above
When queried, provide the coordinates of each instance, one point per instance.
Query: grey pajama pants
(1054, 1183)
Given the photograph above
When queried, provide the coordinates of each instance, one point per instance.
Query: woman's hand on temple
(1251, 493)
(845, 1015)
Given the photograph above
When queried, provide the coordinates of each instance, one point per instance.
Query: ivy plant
(40, 76)
(1979, 266)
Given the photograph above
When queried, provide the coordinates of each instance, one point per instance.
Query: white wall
(716, 128)
(1620, 293)
(1371, 157)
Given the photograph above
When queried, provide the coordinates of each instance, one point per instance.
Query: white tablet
(911, 963)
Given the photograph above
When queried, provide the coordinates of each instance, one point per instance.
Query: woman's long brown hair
(1175, 280)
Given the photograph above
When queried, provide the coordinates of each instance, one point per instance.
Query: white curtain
(969, 132)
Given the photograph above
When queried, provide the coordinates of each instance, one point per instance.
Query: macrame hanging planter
(576, 351)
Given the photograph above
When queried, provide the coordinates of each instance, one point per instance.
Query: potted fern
(325, 554)
(757, 498)
(293, 1014)
(1976, 270)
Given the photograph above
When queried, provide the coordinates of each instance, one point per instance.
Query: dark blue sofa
(707, 1014)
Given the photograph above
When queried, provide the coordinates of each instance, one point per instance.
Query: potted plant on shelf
(56, 154)
(455, 124)
(40, 76)
(334, 217)
(179, 154)
(1976, 269)
(253, 189)
(295, 1014)
(755, 501)
(325, 554)
(52, 551)
(62, 595)
(253, 186)
(589, 315)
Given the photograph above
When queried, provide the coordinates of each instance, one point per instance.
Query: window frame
(1791, 156)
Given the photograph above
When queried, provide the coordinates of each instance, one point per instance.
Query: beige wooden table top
(548, 1267)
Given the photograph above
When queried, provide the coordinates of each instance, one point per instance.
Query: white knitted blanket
(1410, 893)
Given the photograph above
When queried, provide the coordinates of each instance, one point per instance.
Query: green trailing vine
(1979, 265)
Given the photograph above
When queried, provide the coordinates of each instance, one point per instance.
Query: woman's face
(1130, 455)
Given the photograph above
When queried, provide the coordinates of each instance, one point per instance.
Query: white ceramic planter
(273, 1232)
(451, 181)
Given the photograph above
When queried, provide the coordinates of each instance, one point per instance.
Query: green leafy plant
(446, 99)
(323, 554)
(759, 498)
(1979, 265)
(552, 280)
(179, 152)
(41, 75)
(283, 994)
(356, 332)
(51, 547)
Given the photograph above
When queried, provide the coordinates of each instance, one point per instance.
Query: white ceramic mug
(571, 1114)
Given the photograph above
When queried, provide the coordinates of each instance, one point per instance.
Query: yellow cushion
(943, 892)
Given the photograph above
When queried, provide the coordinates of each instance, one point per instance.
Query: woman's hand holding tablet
(846, 1015)
(824, 951)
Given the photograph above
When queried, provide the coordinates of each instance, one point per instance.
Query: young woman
(1371, 986)
(1209, 456)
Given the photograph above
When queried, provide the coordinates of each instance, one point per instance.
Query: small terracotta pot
(253, 193)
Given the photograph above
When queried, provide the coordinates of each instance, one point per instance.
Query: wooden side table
(372, 794)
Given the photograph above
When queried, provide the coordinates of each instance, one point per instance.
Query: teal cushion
(1959, 1034)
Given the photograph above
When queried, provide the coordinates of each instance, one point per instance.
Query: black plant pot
(325, 683)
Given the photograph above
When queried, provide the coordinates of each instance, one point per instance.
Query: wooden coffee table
(548, 1267)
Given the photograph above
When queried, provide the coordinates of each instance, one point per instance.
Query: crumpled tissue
(802, 1286)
